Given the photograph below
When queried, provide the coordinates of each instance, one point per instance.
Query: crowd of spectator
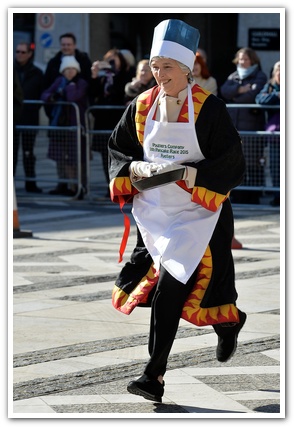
(116, 80)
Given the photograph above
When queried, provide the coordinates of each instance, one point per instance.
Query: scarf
(57, 108)
(246, 72)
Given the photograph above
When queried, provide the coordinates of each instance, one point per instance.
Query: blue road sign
(46, 40)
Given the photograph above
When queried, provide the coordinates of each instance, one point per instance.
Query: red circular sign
(46, 20)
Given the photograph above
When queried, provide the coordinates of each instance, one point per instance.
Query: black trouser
(166, 310)
(29, 159)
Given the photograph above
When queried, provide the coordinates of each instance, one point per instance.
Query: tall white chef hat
(176, 40)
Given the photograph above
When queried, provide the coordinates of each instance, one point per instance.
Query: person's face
(67, 46)
(69, 73)
(22, 54)
(169, 76)
(277, 75)
(144, 73)
(196, 69)
(244, 60)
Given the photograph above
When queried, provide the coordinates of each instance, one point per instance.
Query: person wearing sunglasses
(31, 81)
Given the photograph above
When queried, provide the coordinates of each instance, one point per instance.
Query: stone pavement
(73, 353)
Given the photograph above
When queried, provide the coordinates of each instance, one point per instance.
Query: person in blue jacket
(270, 95)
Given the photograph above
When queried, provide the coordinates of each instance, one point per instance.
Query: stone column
(99, 35)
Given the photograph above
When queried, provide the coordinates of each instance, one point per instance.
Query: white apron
(175, 230)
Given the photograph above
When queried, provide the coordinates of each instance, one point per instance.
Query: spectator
(31, 81)
(270, 95)
(70, 87)
(109, 78)
(131, 61)
(67, 48)
(241, 87)
(202, 75)
(17, 98)
(144, 80)
(203, 53)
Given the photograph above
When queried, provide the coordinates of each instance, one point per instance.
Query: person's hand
(190, 176)
(142, 169)
(98, 66)
(245, 88)
(95, 69)
(56, 96)
(136, 83)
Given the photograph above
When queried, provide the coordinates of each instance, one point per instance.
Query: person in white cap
(175, 155)
(72, 88)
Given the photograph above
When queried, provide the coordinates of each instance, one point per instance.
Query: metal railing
(259, 148)
(67, 139)
(262, 153)
(97, 138)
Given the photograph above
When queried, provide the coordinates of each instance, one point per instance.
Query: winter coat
(69, 91)
(109, 90)
(269, 96)
(17, 98)
(74, 91)
(249, 119)
(131, 92)
(31, 80)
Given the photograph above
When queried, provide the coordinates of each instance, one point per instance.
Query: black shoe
(147, 388)
(227, 338)
(61, 189)
(70, 193)
(81, 194)
(31, 187)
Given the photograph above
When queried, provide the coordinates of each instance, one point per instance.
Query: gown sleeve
(123, 148)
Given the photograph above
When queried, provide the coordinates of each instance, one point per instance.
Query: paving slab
(74, 353)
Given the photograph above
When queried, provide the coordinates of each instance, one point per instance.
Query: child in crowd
(69, 87)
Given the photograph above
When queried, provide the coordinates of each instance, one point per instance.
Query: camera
(106, 68)
(112, 64)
